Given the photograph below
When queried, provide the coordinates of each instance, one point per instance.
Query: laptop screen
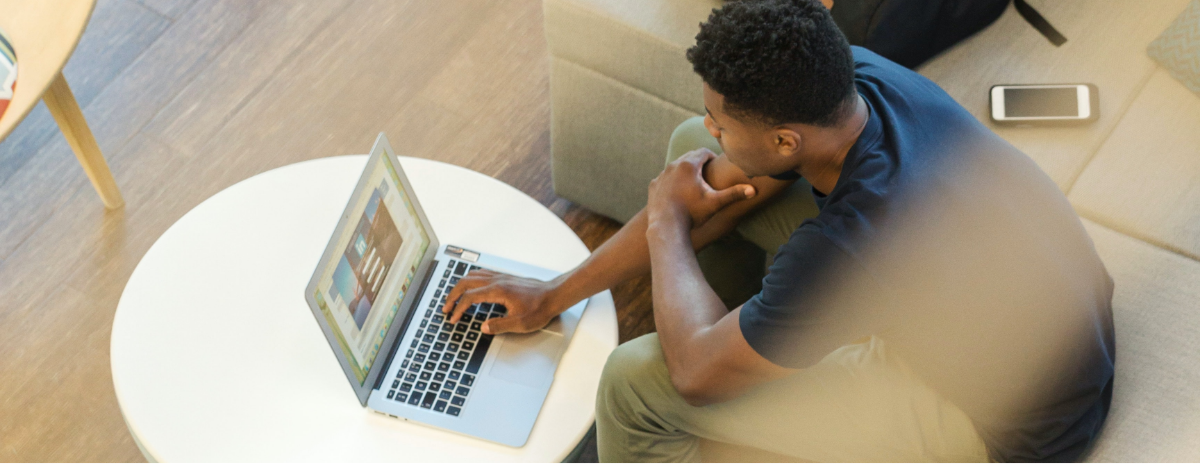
(375, 261)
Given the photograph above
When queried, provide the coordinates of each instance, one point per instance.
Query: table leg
(62, 105)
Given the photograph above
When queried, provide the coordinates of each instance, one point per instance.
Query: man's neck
(823, 173)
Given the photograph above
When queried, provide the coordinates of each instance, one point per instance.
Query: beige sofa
(620, 84)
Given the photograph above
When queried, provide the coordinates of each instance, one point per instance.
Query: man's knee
(691, 135)
(635, 367)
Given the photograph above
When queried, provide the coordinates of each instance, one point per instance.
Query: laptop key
(453, 411)
(391, 394)
(444, 366)
(443, 336)
(450, 385)
(447, 327)
(438, 318)
(461, 269)
(477, 357)
(445, 394)
(395, 383)
(476, 326)
(404, 365)
(458, 337)
(425, 376)
(415, 342)
(424, 322)
(437, 293)
(440, 406)
(468, 345)
(463, 355)
(468, 380)
(439, 346)
(424, 348)
(428, 338)
(415, 399)
(427, 402)
(402, 397)
(452, 347)
(454, 280)
(465, 318)
(461, 327)
(410, 377)
(459, 364)
(458, 401)
(435, 356)
(420, 358)
(414, 368)
(406, 387)
(472, 336)
(421, 385)
(434, 386)
(454, 375)
(464, 391)
(429, 366)
(442, 284)
(438, 377)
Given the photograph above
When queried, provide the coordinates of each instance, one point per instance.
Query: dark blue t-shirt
(967, 260)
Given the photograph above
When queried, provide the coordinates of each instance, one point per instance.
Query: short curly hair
(776, 61)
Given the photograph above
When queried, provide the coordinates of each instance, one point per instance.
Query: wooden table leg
(62, 105)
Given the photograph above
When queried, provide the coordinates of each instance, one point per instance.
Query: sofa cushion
(1106, 46)
(637, 42)
(1155, 413)
(1145, 180)
(1178, 48)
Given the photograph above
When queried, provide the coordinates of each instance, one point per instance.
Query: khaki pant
(857, 404)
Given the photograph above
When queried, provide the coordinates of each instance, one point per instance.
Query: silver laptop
(378, 294)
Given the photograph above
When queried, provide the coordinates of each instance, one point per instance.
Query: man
(945, 302)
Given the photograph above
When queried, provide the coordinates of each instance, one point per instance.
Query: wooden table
(44, 33)
(216, 355)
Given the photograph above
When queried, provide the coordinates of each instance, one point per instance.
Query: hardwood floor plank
(206, 104)
(118, 32)
(171, 9)
(65, 408)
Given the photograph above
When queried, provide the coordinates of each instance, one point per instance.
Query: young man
(944, 303)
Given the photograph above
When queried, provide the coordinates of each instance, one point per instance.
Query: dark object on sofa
(910, 32)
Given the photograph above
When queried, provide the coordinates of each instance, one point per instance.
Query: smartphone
(1045, 104)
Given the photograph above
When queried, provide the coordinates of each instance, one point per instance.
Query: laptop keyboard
(440, 366)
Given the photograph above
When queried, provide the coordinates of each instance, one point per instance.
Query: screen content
(361, 288)
(1061, 102)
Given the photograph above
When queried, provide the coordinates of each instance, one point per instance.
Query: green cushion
(1178, 48)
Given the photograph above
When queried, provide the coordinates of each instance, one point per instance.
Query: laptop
(378, 294)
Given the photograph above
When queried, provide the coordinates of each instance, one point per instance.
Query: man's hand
(528, 301)
(680, 192)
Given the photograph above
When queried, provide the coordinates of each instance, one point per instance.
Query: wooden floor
(186, 98)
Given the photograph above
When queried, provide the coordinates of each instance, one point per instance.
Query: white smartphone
(1035, 104)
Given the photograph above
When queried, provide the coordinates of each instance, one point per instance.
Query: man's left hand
(681, 194)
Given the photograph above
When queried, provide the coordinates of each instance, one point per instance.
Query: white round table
(217, 357)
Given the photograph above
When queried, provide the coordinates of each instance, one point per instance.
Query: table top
(43, 33)
(216, 355)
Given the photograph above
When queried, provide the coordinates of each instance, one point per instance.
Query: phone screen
(1033, 102)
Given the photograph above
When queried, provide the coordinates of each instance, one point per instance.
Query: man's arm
(624, 256)
(707, 356)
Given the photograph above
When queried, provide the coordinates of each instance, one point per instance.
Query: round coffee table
(217, 357)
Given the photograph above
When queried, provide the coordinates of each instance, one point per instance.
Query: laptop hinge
(416, 306)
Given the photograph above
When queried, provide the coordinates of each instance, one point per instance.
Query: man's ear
(788, 142)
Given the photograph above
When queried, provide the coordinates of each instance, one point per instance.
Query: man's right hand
(529, 303)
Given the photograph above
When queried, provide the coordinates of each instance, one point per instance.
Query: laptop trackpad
(528, 359)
